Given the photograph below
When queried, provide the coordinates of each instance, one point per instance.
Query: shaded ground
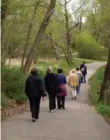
(78, 122)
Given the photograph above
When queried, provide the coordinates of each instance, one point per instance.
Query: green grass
(44, 64)
(96, 82)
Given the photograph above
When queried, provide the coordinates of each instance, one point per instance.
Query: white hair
(50, 68)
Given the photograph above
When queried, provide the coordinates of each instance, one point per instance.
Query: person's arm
(85, 69)
(65, 81)
(27, 86)
(42, 87)
(80, 66)
(69, 80)
(45, 82)
(77, 80)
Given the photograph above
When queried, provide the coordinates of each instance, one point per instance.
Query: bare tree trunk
(80, 23)
(69, 54)
(32, 53)
(54, 49)
(105, 90)
(3, 10)
(4, 5)
(29, 32)
(3, 15)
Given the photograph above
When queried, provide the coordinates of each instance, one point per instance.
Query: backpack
(79, 77)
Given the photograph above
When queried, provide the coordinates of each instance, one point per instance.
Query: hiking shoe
(51, 111)
(63, 108)
(37, 117)
(33, 119)
(75, 97)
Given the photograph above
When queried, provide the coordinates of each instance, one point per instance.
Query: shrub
(103, 109)
(13, 80)
(88, 47)
(96, 82)
(4, 100)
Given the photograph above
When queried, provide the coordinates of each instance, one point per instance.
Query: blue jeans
(84, 79)
(78, 88)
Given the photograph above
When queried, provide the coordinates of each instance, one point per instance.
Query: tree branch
(76, 10)
(60, 3)
(50, 38)
(68, 2)
(73, 27)
(32, 54)
(41, 5)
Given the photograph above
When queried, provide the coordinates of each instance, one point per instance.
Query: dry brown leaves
(12, 109)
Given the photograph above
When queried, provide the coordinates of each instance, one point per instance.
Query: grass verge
(96, 82)
(44, 64)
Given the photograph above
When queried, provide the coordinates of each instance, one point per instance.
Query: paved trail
(78, 122)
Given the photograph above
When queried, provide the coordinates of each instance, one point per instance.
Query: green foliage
(4, 100)
(42, 65)
(96, 82)
(13, 80)
(88, 47)
(103, 109)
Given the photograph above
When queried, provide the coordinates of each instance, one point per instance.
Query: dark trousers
(52, 102)
(78, 88)
(35, 106)
(61, 102)
(84, 78)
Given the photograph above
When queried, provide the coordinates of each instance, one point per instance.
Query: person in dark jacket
(80, 78)
(83, 69)
(34, 89)
(51, 86)
(61, 95)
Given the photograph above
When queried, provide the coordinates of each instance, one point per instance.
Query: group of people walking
(54, 86)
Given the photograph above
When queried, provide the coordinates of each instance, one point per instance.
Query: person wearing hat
(34, 89)
(51, 85)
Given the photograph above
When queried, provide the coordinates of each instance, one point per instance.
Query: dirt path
(78, 122)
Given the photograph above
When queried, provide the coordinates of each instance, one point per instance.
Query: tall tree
(29, 32)
(105, 90)
(32, 53)
(3, 10)
(54, 49)
(4, 6)
(69, 53)
(105, 23)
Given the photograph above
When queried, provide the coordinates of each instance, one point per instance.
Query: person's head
(34, 71)
(73, 71)
(49, 70)
(60, 71)
(77, 69)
